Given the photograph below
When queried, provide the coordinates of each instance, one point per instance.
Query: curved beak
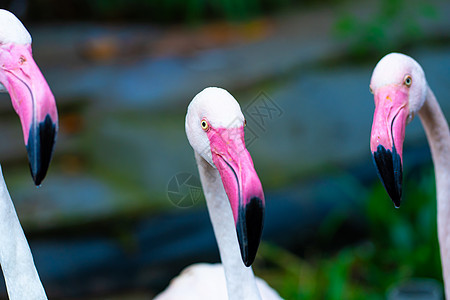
(388, 134)
(34, 102)
(242, 185)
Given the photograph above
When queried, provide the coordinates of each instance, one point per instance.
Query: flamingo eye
(245, 123)
(370, 90)
(204, 124)
(407, 80)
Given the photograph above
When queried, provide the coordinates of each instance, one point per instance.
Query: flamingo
(34, 103)
(235, 201)
(401, 91)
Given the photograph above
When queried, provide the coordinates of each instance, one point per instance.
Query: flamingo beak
(34, 102)
(388, 134)
(242, 186)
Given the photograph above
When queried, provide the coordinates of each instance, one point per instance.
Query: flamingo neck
(438, 135)
(240, 279)
(21, 277)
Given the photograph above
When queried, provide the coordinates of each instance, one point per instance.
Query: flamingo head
(215, 129)
(30, 94)
(399, 87)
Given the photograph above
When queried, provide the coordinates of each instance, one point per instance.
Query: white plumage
(231, 279)
(12, 30)
(208, 281)
(21, 277)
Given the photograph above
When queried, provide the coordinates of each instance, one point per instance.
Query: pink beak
(34, 102)
(242, 186)
(388, 134)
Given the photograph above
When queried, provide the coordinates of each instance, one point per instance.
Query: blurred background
(120, 212)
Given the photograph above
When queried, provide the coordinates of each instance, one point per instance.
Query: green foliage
(410, 232)
(395, 24)
(402, 244)
(174, 11)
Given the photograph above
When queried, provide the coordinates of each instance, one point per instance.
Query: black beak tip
(40, 144)
(389, 168)
(249, 229)
(38, 176)
(396, 202)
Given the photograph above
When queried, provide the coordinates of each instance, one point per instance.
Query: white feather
(12, 30)
(231, 279)
(207, 281)
(392, 69)
(219, 108)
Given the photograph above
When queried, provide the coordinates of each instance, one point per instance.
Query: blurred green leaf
(429, 11)
(394, 24)
(402, 244)
(346, 26)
